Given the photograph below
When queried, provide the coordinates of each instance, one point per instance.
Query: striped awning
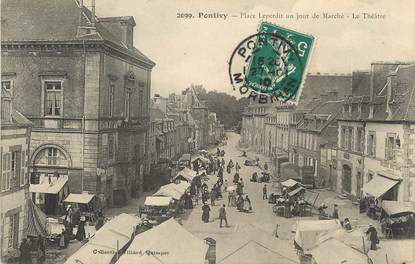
(36, 220)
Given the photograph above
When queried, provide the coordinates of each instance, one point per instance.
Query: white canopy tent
(171, 241)
(186, 174)
(290, 183)
(307, 231)
(157, 201)
(332, 251)
(112, 236)
(82, 198)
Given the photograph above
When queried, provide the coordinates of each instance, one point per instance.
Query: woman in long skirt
(247, 204)
(205, 214)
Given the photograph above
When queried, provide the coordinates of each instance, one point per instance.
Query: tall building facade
(86, 88)
(14, 176)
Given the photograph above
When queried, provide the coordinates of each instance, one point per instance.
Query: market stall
(49, 193)
(398, 219)
(307, 231)
(108, 242)
(88, 204)
(332, 251)
(172, 243)
(158, 208)
(185, 174)
(185, 160)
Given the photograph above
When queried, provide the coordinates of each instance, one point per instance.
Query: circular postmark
(267, 63)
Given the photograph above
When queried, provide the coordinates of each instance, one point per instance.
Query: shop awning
(378, 186)
(157, 201)
(186, 174)
(395, 208)
(56, 184)
(185, 157)
(36, 220)
(83, 198)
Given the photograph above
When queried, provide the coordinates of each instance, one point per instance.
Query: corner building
(86, 89)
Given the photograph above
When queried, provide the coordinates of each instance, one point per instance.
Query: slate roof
(55, 21)
(402, 105)
(321, 116)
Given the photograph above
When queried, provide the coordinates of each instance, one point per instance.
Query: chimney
(93, 13)
(121, 27)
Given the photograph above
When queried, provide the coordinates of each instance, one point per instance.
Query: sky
(197, 51)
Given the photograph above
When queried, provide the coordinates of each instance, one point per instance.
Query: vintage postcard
(190, 132)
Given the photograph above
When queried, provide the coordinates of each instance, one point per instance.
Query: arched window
(51, 156)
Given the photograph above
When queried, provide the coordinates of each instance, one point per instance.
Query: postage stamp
(271, 64)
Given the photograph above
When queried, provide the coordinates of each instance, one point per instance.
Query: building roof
(56, 21)
(156, 113)
(321, 116)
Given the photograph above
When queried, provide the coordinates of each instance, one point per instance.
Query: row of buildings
(356, 138)
(76, 109)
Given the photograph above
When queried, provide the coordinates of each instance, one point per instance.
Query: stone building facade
(86, 89)
(14, 176)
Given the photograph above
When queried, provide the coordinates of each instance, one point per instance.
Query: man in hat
(373, 236)
(222, 216)
(264, 192)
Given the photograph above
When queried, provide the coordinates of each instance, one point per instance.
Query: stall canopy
(157, 201)
(251, 244)
(201, 158)
(36, 220)
(170, 238)
(311, 197)
(394, 208)
(118, 230)
(173, 190)
(352, 239)
(83, 198)
(333, 251)
(186, 174)
(378, 186)
(290, 183)
(307, 231)
(296, 191)
(56, 184)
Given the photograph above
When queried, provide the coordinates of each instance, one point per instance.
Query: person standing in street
(266, 166)
(335, 212)
(222, 216)
(247, 204)
(264, 193)
(25, 256)
(237, 167)
(213, 196)
(205, 214)
(373, 236)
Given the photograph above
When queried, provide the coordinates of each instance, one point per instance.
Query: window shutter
(22, 168)
(374, 145)
(8, 170)
(386, 149)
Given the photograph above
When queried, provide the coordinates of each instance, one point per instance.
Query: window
(371, 144)
(350, 139)
(111, 100)
(14, 231)
(141, 102)
(6, 110)
(343, 138)
(360, 142)
(110, 146)
(390, 146)
(369, 176)
(52, 156)
(53, 93)
(15, 168)
(127, 104)
(7, 85)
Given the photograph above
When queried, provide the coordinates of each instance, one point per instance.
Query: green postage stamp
(272, 62)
